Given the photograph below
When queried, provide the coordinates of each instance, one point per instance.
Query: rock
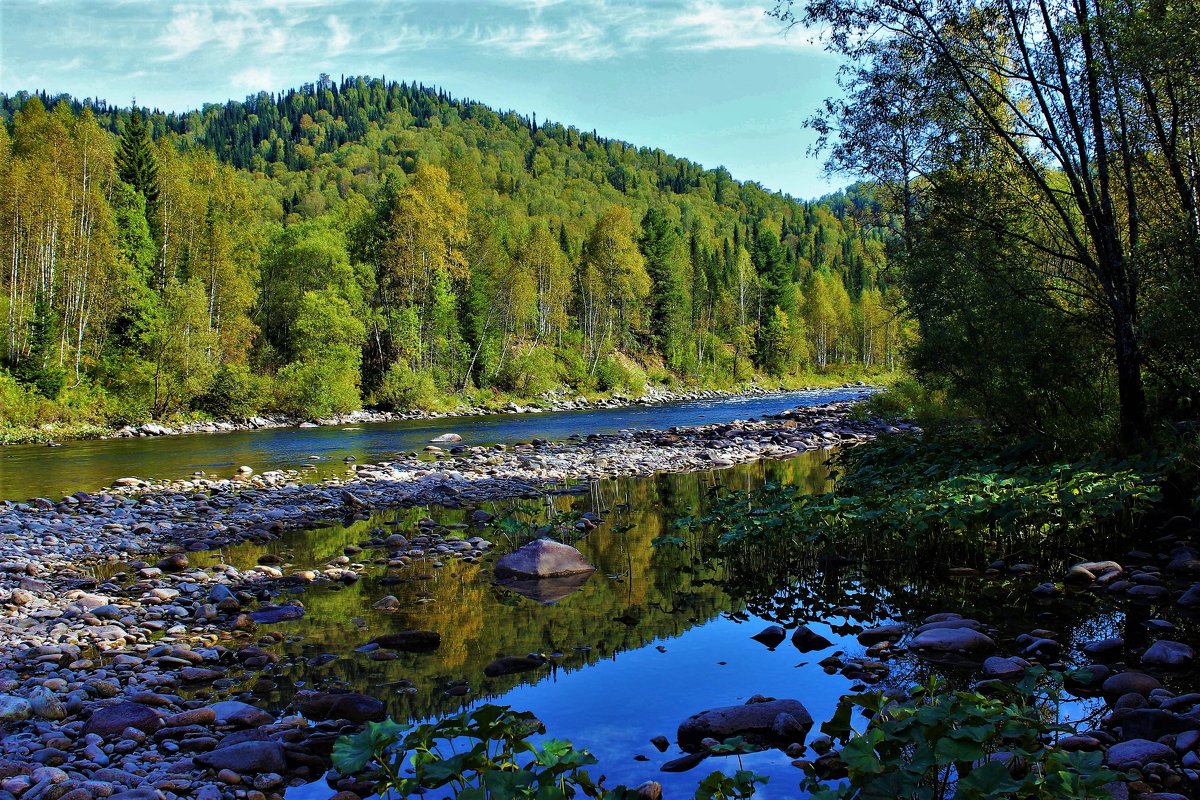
(357, 708)
(684, 763)
(758, 722)
(387, 603)
(1005, 669)
(807, 640)
(1191, 597)
(270, 614)
(962, 641)
(239, 714)
(176, 562)
(245, 758)
(1137, 753)
(661, 743)
(446, 437)
(1165, 653)
(1129, 683)
(650, 790)
(884, 633)
(1088, 571)
(1105, 649)
(771, 636)
(14, 709)
(508, 665)
(351, 500)
(414, 641)
(542, 558)
(111, 721)
(46, 704)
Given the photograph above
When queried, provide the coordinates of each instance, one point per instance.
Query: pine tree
(137, 166)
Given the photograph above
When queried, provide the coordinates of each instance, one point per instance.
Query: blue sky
(712, 80)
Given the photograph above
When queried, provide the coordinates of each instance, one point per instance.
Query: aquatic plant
(914, 490)
(967, 745)
(486, 754)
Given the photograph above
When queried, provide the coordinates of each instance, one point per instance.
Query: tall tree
(137, 166)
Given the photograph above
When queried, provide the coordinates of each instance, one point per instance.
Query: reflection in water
(655, 634)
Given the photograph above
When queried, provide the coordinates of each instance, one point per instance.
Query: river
(38, 471)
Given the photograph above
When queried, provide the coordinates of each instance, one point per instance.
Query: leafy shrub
(317, 388)
(486, 755)
(918, 489)
(235, 393)
(530, 374)
(615, 374)
(939, 744)
(404, 389)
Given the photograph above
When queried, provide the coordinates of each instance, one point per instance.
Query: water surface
(36, 470)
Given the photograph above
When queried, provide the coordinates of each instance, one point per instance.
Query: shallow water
(36, 470)
(656, 634)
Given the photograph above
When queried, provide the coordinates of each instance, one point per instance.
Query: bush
(613, 374)
(404, 389)
(939, 744)
(531, 374)
(235, 393)
(317, 389)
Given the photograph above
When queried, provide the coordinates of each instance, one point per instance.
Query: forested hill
(384, 242)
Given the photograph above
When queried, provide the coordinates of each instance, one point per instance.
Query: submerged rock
(771, 636)
(410, 641)
(277, 613)
(357, 708)
(764, 721)
(509, 665)
(542, 558)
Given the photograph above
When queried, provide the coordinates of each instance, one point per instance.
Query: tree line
(374, 242)
(1039, 161)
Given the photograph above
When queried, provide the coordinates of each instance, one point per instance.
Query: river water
(654, 635)
(38, 471)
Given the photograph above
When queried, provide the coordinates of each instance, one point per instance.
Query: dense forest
(364, 241)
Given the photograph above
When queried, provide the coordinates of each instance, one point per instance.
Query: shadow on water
(656, 633)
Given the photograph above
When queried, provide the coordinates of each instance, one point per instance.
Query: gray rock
(446, 437)
(270, 614)
(962, 641)
(239, 714)
(357, 708)
(14, 709)
(884, 633)
(1124, 683)
(757, 721)
(111, 721)
(1166, 653)
(542, 558)
(1137, 753)
(245, 758)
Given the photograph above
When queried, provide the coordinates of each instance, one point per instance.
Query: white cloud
(339, 35)
(253, 79)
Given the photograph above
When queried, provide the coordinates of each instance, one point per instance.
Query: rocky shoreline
(114, 645)
(546, 404)
(127, 655)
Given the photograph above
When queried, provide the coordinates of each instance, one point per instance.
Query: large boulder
(245, 758)
(763, 721)
(1137, 753)
(953, 641)
(110, 721)
(542, 558)
(1165, 653)
(239, 714)
(357, 708)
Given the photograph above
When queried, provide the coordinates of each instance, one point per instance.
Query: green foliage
(481, 754)
(919, 490)
(939, 744)
(404, 388)
(235, 393)
(487, 754)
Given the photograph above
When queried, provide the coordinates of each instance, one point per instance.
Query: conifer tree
(137, 166)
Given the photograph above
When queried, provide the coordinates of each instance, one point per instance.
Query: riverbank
(53, 434)
(114, 644)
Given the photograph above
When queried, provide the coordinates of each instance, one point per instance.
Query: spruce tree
(137, 166)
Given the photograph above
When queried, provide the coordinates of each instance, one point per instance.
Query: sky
(716, 81)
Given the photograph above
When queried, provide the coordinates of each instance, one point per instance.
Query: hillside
(363, 241)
